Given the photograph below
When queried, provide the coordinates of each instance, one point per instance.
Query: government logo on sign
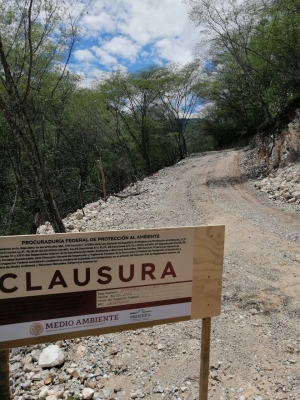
(141, 315)
(36, 329)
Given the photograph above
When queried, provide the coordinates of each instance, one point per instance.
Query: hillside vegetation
(63, 146)
(252, 80)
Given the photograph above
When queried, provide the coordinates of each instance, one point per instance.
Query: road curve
(258, 332)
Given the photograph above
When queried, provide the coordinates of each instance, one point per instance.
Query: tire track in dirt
(261, 285)
(255, 347)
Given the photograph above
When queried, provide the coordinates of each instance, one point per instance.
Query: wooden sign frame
(189, 259)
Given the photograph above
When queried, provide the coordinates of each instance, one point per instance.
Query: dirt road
(257, 337)
(255, 351)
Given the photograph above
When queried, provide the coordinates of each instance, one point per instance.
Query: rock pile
(97, 367)
(44, 375)
(126, 365)
(282, 185)
(136, 207)
(76, 222)
(137, 364)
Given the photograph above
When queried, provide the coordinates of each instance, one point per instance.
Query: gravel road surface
(255, 346)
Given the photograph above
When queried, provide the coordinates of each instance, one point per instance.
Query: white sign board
(67, 285)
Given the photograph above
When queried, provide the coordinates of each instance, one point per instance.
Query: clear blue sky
(132, 34)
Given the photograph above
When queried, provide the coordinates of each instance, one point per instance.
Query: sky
(131, 35)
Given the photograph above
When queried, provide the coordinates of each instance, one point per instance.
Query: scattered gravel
(255, 348)
(282, 185)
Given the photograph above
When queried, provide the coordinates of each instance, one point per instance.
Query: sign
(61, 286)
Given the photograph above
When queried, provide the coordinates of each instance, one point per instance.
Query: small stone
(43, 393)
(66, 394)
(28, 368)
(158, 389)
(27, 360)
(102, 382)
(104, 393)
(47, 376)
(98, 372)
(26, 385)
(48, 380)
(79, 215)
(74, 372)
(282, 187)
(60, 394)
(91, 384)
(80, 351)
(62, 378)
(14, 367)
(113, 351)
(296, 195)
(51, 356)
(87, 393)
(35, 355)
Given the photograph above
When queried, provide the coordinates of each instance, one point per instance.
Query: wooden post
(99, 163)
(204, 365)
(36, 221)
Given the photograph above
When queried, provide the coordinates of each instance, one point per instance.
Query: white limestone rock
(80, 351)
(87, 393)
(79, 215)
(43, 393)
(296, 195)
(51, 356)
(51, 397)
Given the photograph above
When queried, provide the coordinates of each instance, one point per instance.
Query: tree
(180, 99)
(253, 71)
(131, 99)
(14, 209)
(36, 41)
(90, 132)
(151, 108)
